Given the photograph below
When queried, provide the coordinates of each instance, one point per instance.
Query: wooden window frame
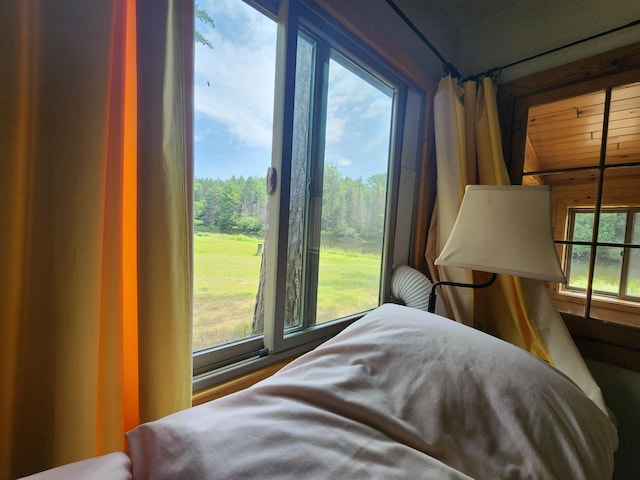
(621, 294)
(600, 340)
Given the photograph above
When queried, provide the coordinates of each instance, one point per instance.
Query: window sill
(604, 309)
(230, 378)
(237, 383)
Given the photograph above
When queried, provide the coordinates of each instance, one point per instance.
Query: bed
(400, 393)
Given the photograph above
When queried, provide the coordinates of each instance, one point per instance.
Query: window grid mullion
(599, 193)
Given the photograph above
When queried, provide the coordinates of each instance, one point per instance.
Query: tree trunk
(297, 201)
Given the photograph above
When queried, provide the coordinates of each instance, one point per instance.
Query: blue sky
(233, 102)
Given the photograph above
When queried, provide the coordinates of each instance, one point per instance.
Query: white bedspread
(399, 394)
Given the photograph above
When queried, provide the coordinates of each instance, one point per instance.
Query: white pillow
(401, 393)
(112, 466)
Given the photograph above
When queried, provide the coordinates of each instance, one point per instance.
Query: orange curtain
(95, 229)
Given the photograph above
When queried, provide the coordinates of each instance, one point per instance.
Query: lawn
(606, 277)
(226, 275)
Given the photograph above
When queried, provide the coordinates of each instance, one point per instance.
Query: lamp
(502, 229)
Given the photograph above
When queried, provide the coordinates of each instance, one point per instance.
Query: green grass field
(606, 278)
(227, 271)
(226, 275)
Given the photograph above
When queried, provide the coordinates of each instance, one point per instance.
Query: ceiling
(461, 14)
(455, 16)
(444, 22)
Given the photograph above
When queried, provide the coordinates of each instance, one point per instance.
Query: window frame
(605, 83)
(607, 341)
(223, 362)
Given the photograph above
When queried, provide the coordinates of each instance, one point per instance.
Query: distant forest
(352, 209)
(611, 229)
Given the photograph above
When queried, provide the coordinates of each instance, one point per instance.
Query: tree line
(351, 208)
(611, 229)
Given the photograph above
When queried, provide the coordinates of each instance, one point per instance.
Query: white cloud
(234, 85)
(358, 118)
(234, 81)
(380, 106)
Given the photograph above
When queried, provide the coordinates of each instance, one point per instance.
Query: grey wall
(477, 35)
(535, 26)
(621, 390)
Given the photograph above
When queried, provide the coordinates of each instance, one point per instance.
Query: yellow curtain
(469, 151)
(517, 309)
(95, 199)
(505, 311)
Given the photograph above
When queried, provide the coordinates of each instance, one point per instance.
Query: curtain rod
(450, 69)
(497, 71)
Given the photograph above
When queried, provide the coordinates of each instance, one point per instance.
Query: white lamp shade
(504, 229)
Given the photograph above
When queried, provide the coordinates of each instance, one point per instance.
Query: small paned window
(616, 269)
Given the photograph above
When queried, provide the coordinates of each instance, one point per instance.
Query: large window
(587, 147)
(300, 145)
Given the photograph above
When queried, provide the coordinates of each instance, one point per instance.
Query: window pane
(233, 104)
(566, 133)
(620, 187)
(612, 227)
(578, 255)
(608, 267)
(633, 276)
(578, 271)
(624, 124)
(356, 160)
(583, 227)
